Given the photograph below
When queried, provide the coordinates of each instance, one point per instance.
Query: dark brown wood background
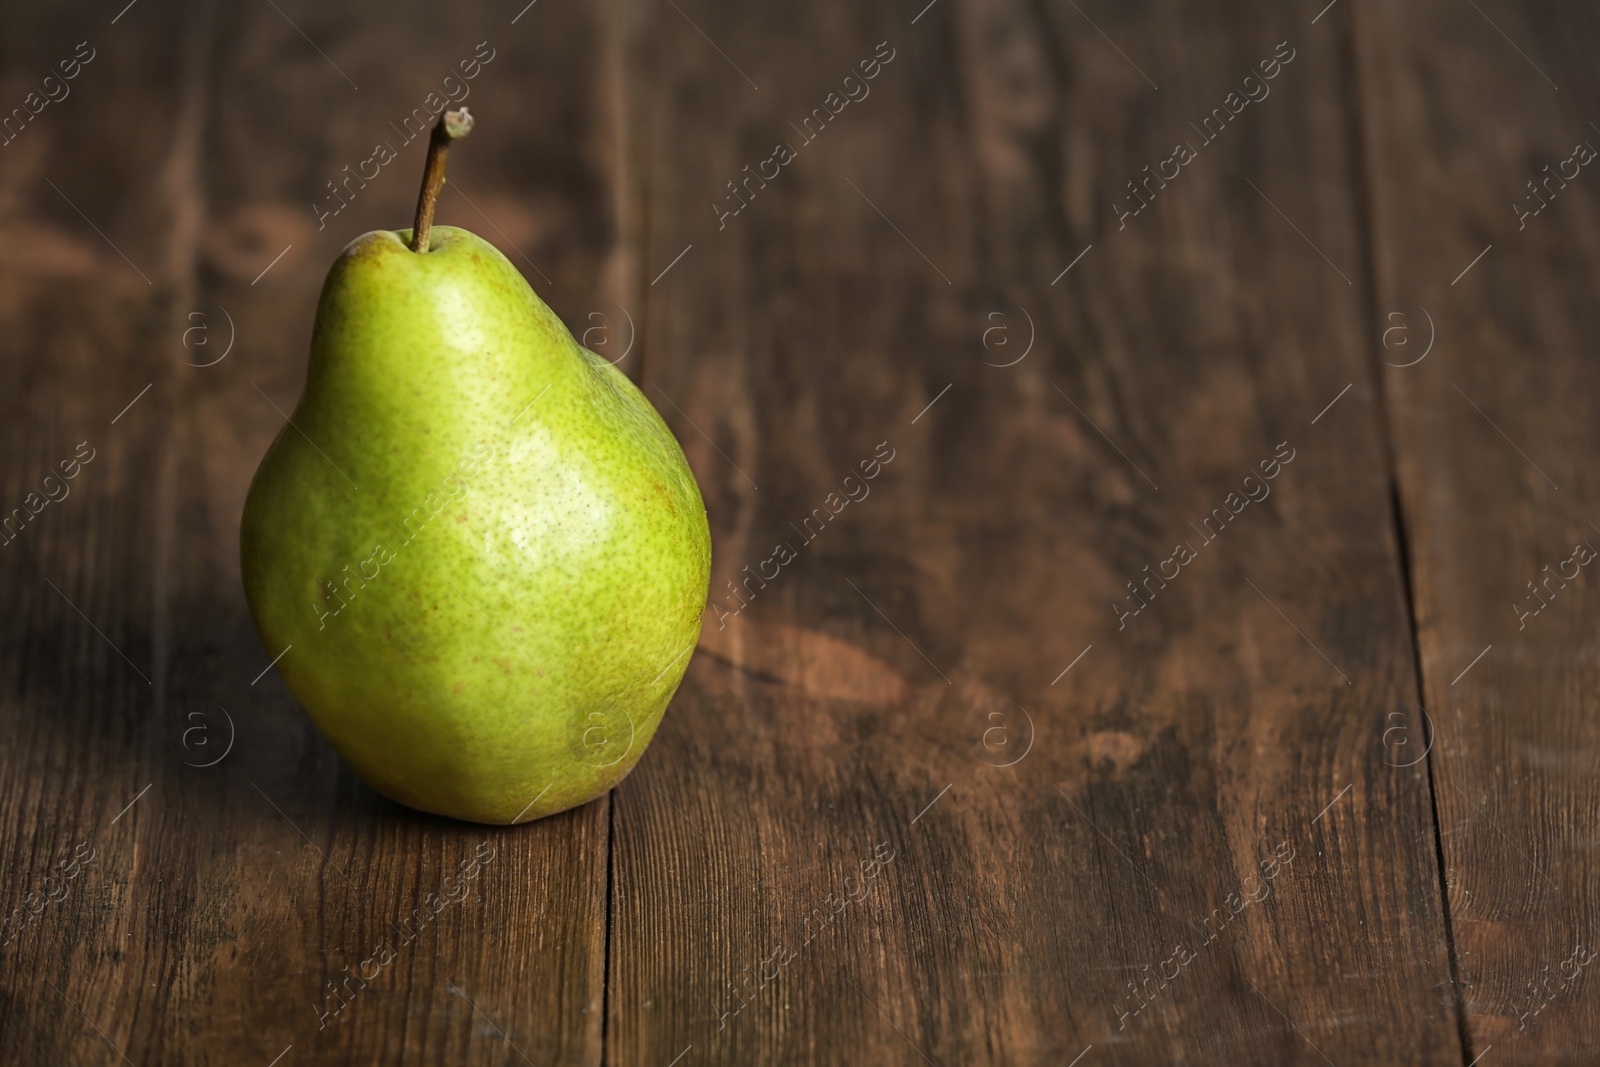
(1338, 686)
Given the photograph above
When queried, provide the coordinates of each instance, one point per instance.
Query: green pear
(479, 543)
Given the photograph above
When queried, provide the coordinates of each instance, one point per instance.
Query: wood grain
(221, 914)
(1495, 437)
(85, 309)
(964, 771)
(1023, 904)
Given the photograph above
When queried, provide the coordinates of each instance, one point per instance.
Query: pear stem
(452, 126)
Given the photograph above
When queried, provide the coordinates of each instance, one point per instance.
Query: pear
(479, 547)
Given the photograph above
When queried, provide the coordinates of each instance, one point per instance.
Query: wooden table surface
(1207, 677)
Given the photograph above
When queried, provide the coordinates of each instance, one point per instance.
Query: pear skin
(481, 545)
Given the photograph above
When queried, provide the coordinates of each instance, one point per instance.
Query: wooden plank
(259, 882)
(1495, 437)
(84, 299)
(840, 713)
